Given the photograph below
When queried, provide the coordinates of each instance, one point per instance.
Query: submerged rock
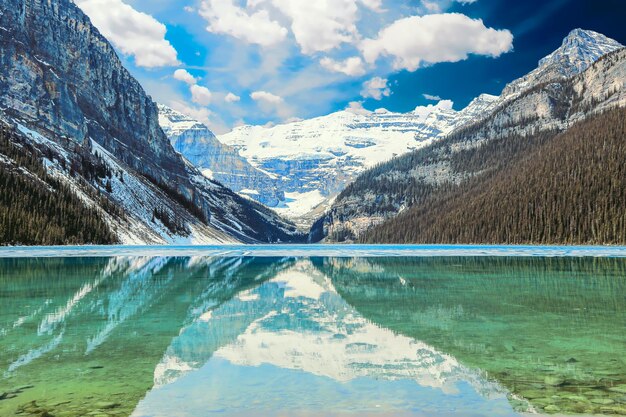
(552, 409)
(554, 381)
(603, 401)
(619, 388)
(104, 405)
(574, 397)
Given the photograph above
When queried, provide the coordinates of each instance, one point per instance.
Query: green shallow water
(235, 336)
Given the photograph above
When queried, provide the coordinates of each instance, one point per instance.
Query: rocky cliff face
(218, 161)
(61, 78)
(546, 99)
(60, 73)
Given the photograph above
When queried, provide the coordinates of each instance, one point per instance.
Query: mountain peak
(579, 50)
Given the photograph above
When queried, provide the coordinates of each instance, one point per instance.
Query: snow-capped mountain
(317, 158)
(550, 98)
(65, 92)
(579, 50)
(216, 160)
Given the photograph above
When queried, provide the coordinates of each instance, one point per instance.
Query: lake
(312, 331)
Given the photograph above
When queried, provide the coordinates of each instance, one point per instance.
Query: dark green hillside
(36, 209)
(568, 188)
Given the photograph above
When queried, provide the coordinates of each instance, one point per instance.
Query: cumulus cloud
(356, 107)
(224, 17)
(200, 95)
(320, 26)
(424, 111)
(317, 26)
(132, 32)
(184, 76)
(232, 98)
(450, 37)
(264, 96)
(351, 66)
(431, 97)
(376, 88)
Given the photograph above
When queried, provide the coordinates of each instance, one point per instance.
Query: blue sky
(230, 62)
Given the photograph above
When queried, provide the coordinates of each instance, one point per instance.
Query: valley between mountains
(86, 156)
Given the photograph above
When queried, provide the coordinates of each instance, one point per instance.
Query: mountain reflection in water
(180, 336)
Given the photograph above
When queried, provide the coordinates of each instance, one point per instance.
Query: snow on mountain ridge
(579, 50)
(318, 157)
(325, 153)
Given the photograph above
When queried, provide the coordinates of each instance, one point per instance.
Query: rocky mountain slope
(217, 161)
(315, 159)
(65, 91)
(567, 188)
(546, 100)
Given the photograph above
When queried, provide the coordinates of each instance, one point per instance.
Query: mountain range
(86, 156)
(578, 83)
(313, 161)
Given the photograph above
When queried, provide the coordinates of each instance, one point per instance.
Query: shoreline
(316, 250)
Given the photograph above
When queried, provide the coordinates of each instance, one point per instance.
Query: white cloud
(264, 96)
(232, 98)
(431, 97)
(351, 66)
(451, 37)
(132, 32)
(321, 25)
(356, 107)
(184, 76)
(200, 95)
(201, 114)
(224, 17)
(273, 104)
(424, 111)
(376, 88)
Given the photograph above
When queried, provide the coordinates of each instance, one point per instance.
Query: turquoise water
(227, 333)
